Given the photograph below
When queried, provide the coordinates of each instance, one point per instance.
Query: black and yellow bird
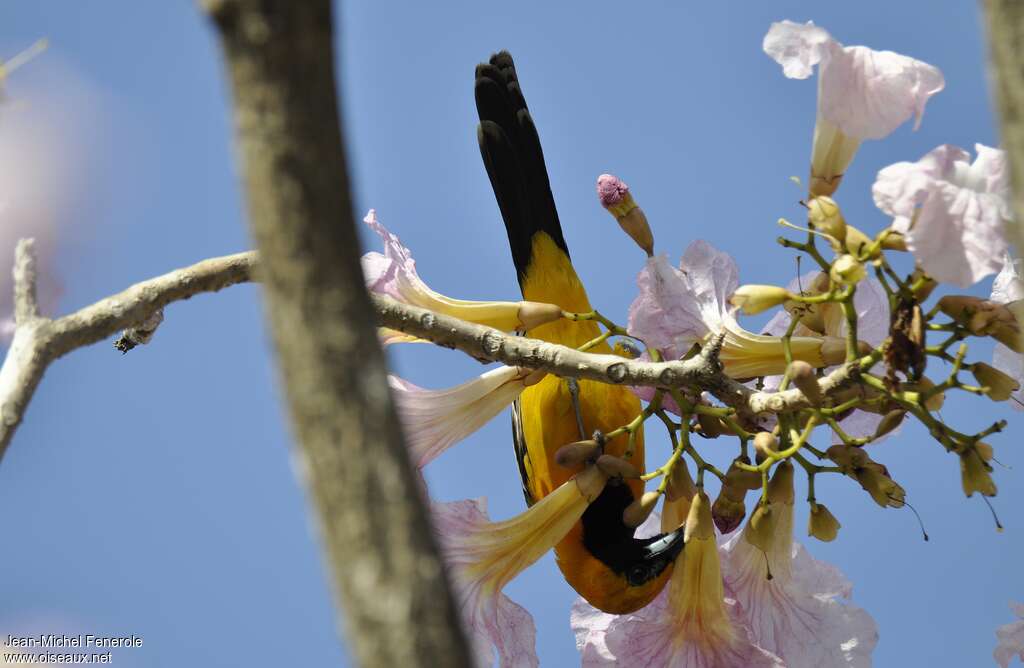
(600, 557)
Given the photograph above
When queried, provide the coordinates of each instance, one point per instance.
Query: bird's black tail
(511, 151)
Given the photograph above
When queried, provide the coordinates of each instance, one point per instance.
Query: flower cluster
(846, 357)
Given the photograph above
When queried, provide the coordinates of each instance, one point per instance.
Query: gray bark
(382, 554)
(1006, 39)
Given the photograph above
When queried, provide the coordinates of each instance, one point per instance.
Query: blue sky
(153, 493)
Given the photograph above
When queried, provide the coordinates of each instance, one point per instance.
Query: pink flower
(951, 211)
(434, 420)
(393, 274)
(1006, 289)
(1011, 638)
(678, 308)
(484, 556)
(691, 623)
(797, 613)
(721, 611)
(862, 93)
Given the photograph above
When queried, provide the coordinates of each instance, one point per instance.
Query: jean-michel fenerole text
(46, 640)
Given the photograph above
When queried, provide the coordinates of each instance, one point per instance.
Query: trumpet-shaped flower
(1011, 638)
(678, 308)
(691, 623)
(435, 420)
(484, 556)
(1007, 289)
(862, 93)
(951, 211)
(393, 274)
(795, 611)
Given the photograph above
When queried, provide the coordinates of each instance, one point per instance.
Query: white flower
(693, 623)
(494, 622)
(434, 420)
(1006, 289)
(1011, 638)
(796, 614)
(393, 274)
(862, 93)
(951, 211)
(484, 556)
(677, 308)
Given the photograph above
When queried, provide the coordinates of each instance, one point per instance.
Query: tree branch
(138, 310)
(702, 372)
(39, 341)
(26, 306)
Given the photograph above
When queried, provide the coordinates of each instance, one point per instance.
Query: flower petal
(1008, 286)
(796, 614)
(712, 276)
(679, 307)
(1010, 638)
(493, 621)
(951, 211)
(394, 275)
(690, 624)
(434, 420)
(797, 47)
(665, 314)
(867, 94)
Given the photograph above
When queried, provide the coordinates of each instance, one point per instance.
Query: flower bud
(847, 457)
(928, 284)
(855, 242)
(737, 478)
(575, 454)
(999, 386)
(616, 199)
(638, 511)
(780, 487)
(895, 241)
(824, 215)
(1008, 333)
(727, 513)
(875, 480)
(765, 443)
(822, 524)
(617, 467)
(803, 377)
(710, 426)
(974, 473)
(847, 270)
(890, 421)
(533, 314)
(957, 306)
(752, 299)
(761, 527)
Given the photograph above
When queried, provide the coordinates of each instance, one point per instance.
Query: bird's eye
(637, 575)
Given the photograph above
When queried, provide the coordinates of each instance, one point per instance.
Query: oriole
(600, 558)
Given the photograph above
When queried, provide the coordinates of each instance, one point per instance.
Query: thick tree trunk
(381, 552)
(1006, 39)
